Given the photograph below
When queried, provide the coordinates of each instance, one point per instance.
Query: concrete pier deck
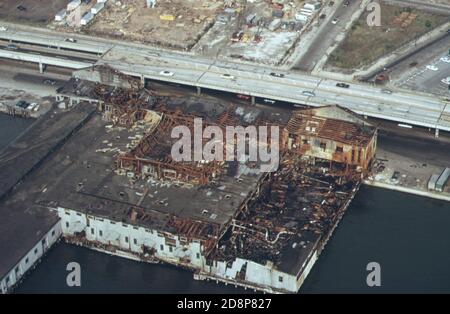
(28, 229)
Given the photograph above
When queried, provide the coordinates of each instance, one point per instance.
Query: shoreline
(392, 187)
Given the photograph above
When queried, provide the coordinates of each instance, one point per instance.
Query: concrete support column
(41, 67)
(142, 81)
(253, 100)
(199, 91)
(436, 133)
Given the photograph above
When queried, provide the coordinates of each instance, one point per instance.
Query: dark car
(343, 85)
(21, 8)
(346, 3)
(12, 47)
(277, 74)
(49, 82)
(22, 104)
(243, 97)
(237, 36)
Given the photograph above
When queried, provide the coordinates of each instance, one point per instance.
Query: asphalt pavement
(327, 35)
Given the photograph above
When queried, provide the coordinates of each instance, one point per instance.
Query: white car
(432, 67)
(227, 76)
(32, 106)
(446, 80)
(446, 59)
(3, 28)
(335, 21)
(166, 73)
(269, 101)
(308, 93)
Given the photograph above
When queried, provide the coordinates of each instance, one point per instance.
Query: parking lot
(30, 11)
(427, 78)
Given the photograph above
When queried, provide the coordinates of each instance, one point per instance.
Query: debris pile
(294, 206)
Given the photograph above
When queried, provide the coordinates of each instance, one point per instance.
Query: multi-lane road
(141, 61)
(328, 33)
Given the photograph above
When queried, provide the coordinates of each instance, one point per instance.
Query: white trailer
(60, 15)
(86, 18)
(301, 17)
(97, 8)
(72, 5)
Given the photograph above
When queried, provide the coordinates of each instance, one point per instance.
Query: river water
(408, 236)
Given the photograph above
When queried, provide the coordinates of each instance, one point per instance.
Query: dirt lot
(37, 11)
(365, 44)
(258, 43)
(172, 23)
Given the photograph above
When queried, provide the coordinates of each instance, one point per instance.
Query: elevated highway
(256, 81)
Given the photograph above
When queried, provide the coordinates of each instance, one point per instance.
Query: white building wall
(259, 275)
(268, 276)
(30, 259)
(130, 238)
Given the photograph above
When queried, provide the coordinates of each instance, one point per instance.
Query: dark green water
(408, 236)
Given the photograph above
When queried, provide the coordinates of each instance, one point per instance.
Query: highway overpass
(146, 63)
(42, 60)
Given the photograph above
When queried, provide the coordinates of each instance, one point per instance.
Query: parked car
(22, 104)
(243, 97)
(335, 21)
(445, 59)
(446, 80)
(72, 40)
(269, 101)
(237, 36)
(49, 82)
(432, 67)
(3, 28)
(32, 106)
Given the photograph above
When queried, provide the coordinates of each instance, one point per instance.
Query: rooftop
(333, 123)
